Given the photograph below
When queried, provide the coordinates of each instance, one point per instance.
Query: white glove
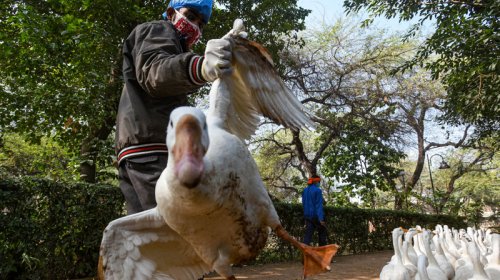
(218, 55)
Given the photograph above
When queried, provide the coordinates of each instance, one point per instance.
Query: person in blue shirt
(312, 202)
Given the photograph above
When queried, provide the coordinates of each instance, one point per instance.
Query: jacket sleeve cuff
(195, 70)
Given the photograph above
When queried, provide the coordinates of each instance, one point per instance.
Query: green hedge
(348, 227)
(52, 230)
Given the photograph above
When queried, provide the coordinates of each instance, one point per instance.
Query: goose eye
(171, 124)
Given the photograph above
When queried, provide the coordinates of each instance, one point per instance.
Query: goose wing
(256, 89)
(143, 246)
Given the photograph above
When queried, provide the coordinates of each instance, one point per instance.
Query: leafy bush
(52, 230)
(45, 159)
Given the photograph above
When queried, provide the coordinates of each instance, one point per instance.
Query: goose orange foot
(316, 259)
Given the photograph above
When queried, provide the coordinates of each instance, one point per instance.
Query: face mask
(189, 31)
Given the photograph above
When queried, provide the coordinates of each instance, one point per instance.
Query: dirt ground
(352, 267)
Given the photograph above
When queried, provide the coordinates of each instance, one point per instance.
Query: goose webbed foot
(316, 259)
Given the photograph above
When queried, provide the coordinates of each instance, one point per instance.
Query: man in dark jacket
(312, 201)
(159, 71)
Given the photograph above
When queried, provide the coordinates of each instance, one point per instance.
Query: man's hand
(218, 55)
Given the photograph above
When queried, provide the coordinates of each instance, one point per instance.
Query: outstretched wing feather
(143, 246)
(257, 89)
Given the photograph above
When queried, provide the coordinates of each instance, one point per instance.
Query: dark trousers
(138, 176)
(314, 225)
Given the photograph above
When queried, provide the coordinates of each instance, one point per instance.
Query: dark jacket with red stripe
(158, 73)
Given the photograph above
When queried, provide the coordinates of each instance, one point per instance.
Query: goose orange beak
(188, 152)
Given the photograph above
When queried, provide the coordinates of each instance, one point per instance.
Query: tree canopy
(60, 63)
(464, 52)
(342, 76)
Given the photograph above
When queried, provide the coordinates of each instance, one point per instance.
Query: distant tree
(477, 191)
(416, 100)
(465, 52)
(363, 159)
(473, 169)
(339, 75)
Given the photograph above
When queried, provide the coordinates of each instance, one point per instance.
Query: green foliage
(273, 166)
(56, 61)
(349, 228)
(342, 76)
(44, 160)
(268, 22)
(466, 52)
(476, 192)
(53, 230)
(362, 160)
(60, 62)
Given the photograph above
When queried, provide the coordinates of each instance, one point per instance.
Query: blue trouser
(314, 225)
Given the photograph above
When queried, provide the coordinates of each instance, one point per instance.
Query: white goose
(456, 236)
(416, 243)
(476, 236)
(450, 244)
(478, 273)
(421, 241)
(441, 259)
(412, 254)
(493, 266)
(463, 267)
(395, 270)
(399, 247)
(480, 234)
(410, 267)
(487, 237)
(422, 268)
(433, 269)
(444, 245)
(213, 209)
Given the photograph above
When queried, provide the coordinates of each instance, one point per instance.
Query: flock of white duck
(443, 254)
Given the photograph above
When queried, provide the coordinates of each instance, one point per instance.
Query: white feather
(395, 270)
(135, 246)
(256, 89)
(493, 266)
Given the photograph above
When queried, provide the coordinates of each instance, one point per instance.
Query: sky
(328, 11)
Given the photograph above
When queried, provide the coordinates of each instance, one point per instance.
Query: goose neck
(428, 251)
(395, 243)
(495, 243)
(479, 272)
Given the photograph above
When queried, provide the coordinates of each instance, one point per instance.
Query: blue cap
(204, 7)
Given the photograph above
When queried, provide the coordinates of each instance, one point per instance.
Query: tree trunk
(89, 148)
(417, 172)
(299, 149)
(449, 190)
(87, 164)
(398, 201)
